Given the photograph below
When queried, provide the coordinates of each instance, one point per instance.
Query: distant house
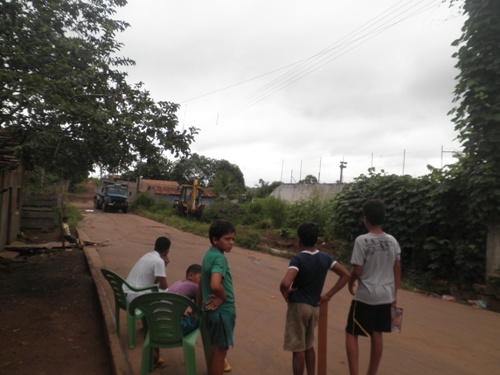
(161, 190)
(165, 190)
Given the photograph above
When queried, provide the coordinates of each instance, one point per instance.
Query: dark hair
(162, 244)
(220, 228)
(193, 268)
(308, 234)
(374, 211)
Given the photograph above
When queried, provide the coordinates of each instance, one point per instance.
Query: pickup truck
(111, 196)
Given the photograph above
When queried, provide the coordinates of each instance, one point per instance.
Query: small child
(67, 233)
(189, 288)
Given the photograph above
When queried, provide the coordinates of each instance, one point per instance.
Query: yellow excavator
(190, 200)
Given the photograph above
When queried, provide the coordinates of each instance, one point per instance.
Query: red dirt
(50, 317)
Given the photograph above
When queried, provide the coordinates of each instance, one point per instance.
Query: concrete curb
(117, 351)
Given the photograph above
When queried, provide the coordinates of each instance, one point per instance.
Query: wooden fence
(40, 212)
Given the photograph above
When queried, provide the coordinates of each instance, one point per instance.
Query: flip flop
(227, 366)
(158, 363)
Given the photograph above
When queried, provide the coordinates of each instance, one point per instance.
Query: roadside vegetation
(425, 214)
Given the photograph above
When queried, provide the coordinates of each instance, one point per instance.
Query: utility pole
(319, 172)
(404, 161)
(343, 164)
(442, 152)
(282, 163)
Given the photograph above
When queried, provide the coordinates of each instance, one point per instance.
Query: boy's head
(162, 245)
(220, 228)
(65, 219)
(193, 273)
(308, 234)
(222, 235)
(374, 212)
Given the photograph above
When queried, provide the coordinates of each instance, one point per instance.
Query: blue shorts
(189, 324)
(220, 328)
(364, 319)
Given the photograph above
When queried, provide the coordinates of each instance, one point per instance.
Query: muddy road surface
(438, 337)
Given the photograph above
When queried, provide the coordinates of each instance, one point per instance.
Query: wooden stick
(322, 334)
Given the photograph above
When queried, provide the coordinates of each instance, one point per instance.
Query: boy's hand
(213, 303)
(287, 292)
(351, 288)
(325, 298)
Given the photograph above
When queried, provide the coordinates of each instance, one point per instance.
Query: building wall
(292, 193)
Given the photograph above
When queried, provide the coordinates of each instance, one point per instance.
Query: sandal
(227, 366)
(158, 363)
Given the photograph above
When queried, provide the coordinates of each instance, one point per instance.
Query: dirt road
(438, 337)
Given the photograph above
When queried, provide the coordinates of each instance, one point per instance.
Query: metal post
(343, 164)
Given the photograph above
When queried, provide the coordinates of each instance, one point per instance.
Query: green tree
(208, 171)
(233, 171)
(186, 169)
(477, 113)
(264, 189)
(309, 179)
(63, 99)
(226, 184)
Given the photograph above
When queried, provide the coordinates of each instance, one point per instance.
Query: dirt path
(50, 320)
(438, 337)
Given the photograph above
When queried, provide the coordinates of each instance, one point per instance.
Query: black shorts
(364, 319)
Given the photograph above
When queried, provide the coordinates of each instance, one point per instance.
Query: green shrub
(247, 237)
(144, 201)
(276, 210)
(222, 210)
(252, 212)
(314, 210)
(74, 215)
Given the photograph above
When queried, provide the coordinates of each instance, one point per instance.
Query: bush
(221, 210)
(276, 210)
(314, 210)
(247, 237)
(144, 201)
(74, 216)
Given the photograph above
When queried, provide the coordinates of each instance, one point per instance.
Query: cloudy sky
(288, 88)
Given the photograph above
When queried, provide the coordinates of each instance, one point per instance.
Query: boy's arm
(397, 280)
(344, 277)
(198, 297)
(355, 274)
(286, 283)
(218, 293)
(161, 282)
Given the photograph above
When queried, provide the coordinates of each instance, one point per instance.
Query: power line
(395, 14)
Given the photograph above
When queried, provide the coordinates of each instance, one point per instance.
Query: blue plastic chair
(117, 283)
(163, 313)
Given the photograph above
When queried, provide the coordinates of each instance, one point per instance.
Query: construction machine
(190, 200)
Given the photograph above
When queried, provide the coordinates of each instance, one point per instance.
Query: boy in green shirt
(219, 313)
